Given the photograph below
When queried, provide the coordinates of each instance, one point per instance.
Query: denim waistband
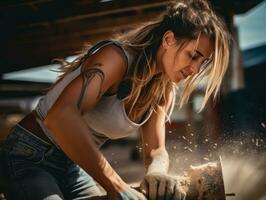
(20, 133)
(29, 136)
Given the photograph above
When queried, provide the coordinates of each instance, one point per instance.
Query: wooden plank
(44, 46)
(53, 12)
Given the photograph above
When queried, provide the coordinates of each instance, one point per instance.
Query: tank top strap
(104, 43)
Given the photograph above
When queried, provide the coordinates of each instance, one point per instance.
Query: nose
(194, 67)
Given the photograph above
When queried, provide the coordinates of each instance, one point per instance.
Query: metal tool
(205, 182)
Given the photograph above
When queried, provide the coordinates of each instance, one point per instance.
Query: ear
(168, 39)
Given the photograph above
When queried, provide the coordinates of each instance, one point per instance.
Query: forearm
(157, 161)
(73, 136)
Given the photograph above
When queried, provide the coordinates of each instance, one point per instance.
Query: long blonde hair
(187, 19)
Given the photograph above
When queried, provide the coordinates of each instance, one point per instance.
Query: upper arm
(64, 121)
(99, 73)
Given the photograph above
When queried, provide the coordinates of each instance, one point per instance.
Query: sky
(252, 32)
(252, 27)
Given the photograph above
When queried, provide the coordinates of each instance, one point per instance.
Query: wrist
(114, 184)
(159, 163)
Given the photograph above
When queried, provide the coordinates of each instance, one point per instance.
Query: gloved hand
(131, 194)
(159, 186)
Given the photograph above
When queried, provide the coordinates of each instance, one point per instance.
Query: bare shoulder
(111, 60)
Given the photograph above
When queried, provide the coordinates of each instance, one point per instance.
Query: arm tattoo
(87, 76)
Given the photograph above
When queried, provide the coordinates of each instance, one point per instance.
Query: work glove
(131, 194)
(159, 186)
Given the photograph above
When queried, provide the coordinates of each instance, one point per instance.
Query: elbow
(59, 118)
(52, 118)
(54, 123)
(48, 122)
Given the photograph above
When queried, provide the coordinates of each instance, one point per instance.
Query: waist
(30, 123)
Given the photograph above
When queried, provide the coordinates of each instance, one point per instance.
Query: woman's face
(177, 63)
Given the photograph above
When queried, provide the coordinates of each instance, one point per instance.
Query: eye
(193, 56)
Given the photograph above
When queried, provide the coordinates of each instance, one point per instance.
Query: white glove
(131, 194)
(158, 186)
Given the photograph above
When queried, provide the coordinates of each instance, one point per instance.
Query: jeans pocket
(21, 149)
(23, 158)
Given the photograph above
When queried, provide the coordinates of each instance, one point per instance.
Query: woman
(115, 88)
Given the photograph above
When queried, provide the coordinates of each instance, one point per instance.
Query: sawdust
(203, 182)
(244, 163)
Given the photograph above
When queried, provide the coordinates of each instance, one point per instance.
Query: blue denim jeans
(32, 169)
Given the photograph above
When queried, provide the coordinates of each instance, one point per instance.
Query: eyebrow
(201, 54)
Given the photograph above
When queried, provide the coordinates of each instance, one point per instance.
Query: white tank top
(108, 119)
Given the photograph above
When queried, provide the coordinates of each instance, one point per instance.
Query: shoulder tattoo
(87, 76)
